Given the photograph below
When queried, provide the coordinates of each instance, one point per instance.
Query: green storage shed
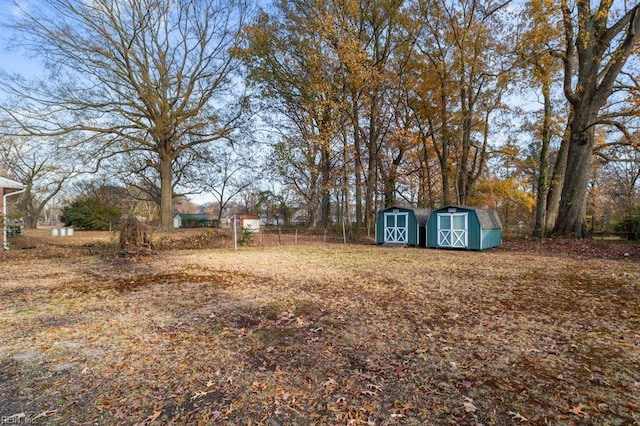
(464, 227)
(402, 226)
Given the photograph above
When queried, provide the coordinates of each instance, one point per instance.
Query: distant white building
(247, 221)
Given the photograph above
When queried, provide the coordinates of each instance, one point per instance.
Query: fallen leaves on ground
(322, 334)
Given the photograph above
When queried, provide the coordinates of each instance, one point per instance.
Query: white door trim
(452, 236)
(395, 233)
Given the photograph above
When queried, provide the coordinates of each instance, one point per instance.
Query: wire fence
(272, 236)
(197, 238)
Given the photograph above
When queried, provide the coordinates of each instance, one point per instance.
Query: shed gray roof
(10, 183)
(488, 218)
(422, 215)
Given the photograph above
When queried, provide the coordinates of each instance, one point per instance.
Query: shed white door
(396, 226)
(453, 230)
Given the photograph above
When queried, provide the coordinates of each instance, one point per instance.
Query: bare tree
(137, 172)
(155, 76)
(226, 174)
(42, 168)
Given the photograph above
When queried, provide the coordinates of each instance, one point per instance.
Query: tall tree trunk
(463, 166)
(389, 187)
(345, 187)
(557, 181)
(312, 206)
(26, 205)
(389, 191)
(543, 163)
(31, 219)
(391, 177)
(445, 172)
(166, 192)
(358, 188)
(429, 184)
(573, 201)
(313, 217)
(444, 153)
(220, 215)
(358, 172)
(371, 188)
(325, 186)
(372, 172)
(425, 190)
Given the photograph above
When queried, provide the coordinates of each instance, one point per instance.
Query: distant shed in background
(248, 222)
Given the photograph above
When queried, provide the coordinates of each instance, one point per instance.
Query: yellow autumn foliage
(494, 193)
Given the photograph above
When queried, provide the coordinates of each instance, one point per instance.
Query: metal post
(235, 233)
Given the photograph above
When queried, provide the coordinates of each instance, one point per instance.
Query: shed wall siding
(432, 232)
(474, 231)
(491, 238)
(413, 230)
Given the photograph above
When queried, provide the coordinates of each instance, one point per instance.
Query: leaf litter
(322, 334)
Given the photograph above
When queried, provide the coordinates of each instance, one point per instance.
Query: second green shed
(464, 227)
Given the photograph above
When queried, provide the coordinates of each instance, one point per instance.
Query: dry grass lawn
(320, 334)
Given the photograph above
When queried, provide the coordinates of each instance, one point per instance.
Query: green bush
(247, 236)
(92, 214)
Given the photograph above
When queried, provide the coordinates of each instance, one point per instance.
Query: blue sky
(14, 60)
